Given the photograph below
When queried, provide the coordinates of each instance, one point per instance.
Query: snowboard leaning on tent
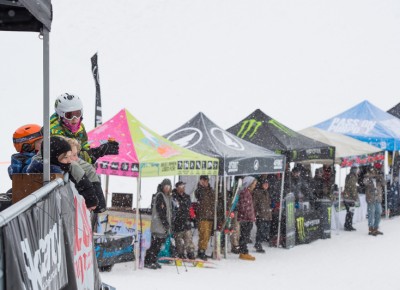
(226, 226)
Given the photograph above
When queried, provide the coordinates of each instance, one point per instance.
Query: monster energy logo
(290, 214)
(329, 214)
(249, 126)
(300, 228)
(281, 127)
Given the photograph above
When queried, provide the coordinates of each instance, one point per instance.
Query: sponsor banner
(115, 230)
(362, 160)
(351, 126)
(34, 247)
(312, 154)
(290, 221)
(308, 225)
(237, 166)
(81, 263)
(117, 168)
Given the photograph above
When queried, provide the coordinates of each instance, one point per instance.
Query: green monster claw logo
(281, 127)
(300, 228)
(331, 151)
(329, 214)
(247, 125)
(290, 214)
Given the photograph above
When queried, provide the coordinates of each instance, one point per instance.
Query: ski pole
(184, 264)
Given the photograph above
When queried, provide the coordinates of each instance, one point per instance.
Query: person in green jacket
(67, 121)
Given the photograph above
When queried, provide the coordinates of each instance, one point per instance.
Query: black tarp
(261, 129)
(236, 156)
(25, 15)
(395, 111)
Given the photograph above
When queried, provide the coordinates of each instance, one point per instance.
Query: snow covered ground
(349, 260)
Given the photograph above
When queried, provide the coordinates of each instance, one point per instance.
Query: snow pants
(154, 250)
(184, 241)
(245, 230)
(205, 230)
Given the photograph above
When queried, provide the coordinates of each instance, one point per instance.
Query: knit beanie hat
(58, 146)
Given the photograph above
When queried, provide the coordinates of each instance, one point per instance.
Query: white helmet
(67, 103)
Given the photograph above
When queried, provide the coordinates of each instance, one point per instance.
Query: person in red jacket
(246, 216)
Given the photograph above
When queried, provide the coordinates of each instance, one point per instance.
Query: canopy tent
(143, 153)
(33, 16)
(395, 111)
(236, 156)
(349, 151)
(366, 123)
(261, 129)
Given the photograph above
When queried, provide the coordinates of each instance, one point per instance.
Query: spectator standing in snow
(67, 121)
(246, 216)
(373, 183)
(181, 222)
(350, 195)
(262, 209)
(205, 196)
(161, 217)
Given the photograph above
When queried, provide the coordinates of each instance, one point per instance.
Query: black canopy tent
(395, 111)
(236, 156)
(261, 129)
(33, 16)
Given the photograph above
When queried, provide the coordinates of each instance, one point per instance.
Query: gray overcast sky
(165, 60)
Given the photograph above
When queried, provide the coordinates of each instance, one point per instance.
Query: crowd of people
(172, 209)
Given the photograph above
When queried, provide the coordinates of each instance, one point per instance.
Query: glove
(109, 148)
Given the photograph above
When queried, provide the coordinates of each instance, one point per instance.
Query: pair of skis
(198, 263)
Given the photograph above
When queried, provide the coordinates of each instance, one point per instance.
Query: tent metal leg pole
(46, 106)
(280, 209)
(215, 214)
(384, 180)
(222, 232)
(137, 241)
(107, 187)
(339, 200)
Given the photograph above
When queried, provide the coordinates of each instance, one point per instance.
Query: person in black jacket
(60, 162)
(181, 223)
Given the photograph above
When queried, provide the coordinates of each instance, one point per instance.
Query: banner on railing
(34, 248)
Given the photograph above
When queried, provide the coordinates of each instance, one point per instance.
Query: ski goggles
(74, 114)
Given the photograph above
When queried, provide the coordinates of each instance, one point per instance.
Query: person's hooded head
(60, 152)
(354, 170)
(166, 186)
(248, 182)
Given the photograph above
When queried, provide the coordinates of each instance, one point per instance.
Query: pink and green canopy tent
(143, 152)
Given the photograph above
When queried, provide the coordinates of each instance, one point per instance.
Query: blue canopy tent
(369, 124)
(366, 123)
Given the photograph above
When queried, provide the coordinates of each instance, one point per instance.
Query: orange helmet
(24, 137)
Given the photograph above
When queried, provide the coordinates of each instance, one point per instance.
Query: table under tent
(369, 124)
(349, 152)
(265, 131)
(142, 153)
(236, 157)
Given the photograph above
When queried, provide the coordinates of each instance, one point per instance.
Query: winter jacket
(76, 175)
(90, 171)
(161, 215)
(350, 188)
(20, 162)
(181, 206)
(206, 202)
(373, 190)
(262, 204)
(245, 207)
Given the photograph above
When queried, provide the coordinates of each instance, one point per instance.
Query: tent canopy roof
(25, 15)
(142, 150)
(261, 129)
(345, 146)
(237, 157)
(395, 111)
(366, 123)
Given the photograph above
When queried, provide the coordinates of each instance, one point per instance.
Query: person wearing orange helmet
(27, 140)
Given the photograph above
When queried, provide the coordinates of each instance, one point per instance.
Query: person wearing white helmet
(67, 121)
